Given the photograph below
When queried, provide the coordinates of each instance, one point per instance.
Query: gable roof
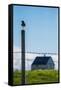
(41, 60)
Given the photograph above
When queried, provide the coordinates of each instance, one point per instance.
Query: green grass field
(36, 76)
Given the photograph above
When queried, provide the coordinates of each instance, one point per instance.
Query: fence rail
(38, 53)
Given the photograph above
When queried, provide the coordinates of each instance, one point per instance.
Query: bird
(23, 23)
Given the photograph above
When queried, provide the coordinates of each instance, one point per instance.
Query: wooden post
(23, 56)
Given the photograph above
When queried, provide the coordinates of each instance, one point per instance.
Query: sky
(29, 60)
(41, 31)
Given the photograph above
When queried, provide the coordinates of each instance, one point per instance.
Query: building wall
(49, 65)
(35, 67)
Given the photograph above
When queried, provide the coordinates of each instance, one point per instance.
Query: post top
(23, 23)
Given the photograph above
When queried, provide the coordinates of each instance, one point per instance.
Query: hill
(36, 76)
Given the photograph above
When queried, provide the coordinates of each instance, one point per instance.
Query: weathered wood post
(23, 53)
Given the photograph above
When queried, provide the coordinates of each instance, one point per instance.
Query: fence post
(23, 56)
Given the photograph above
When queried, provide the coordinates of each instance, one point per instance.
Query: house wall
(35, 67)
(50, 64)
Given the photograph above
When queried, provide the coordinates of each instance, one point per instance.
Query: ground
(36, 76)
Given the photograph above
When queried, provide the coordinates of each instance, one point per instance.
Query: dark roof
(41, 60)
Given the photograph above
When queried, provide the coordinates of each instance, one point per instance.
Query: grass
(36, 76)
